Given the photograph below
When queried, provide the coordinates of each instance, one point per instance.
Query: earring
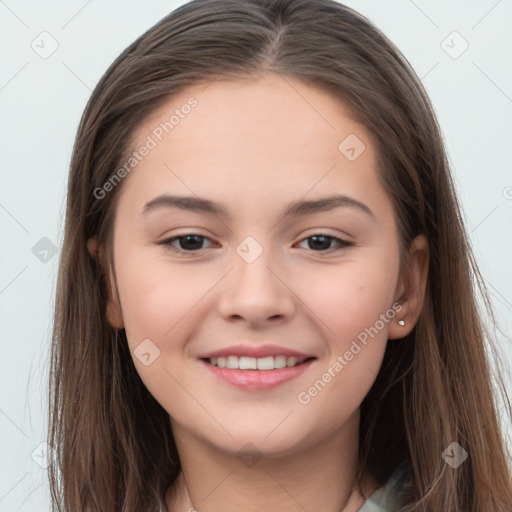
(401, 322)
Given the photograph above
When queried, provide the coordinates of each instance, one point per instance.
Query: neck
(321, 477)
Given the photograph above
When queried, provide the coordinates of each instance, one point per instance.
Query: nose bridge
(252, 273)
(253, 290)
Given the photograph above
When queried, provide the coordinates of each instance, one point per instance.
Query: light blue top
(387, 498)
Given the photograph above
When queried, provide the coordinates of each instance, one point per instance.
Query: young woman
(266, 297)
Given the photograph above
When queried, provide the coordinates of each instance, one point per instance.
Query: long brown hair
(115, 448)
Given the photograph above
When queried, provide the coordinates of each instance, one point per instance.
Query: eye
(322, 243)
(191, 242)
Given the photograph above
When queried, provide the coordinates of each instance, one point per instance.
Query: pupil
(325, 242)
(192, 246)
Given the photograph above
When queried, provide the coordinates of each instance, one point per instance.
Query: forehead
(265, 134)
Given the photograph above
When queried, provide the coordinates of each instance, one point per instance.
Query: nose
(256, 293)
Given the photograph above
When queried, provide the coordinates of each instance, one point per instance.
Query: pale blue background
(41, 101)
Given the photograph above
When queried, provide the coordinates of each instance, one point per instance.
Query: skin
(255, 146)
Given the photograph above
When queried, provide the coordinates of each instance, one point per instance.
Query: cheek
(159, 304)
(351, 307)
(156, 297)
(350, 297)
(160, 301)
(354, 303)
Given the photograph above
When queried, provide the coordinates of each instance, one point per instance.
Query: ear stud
(401, 322)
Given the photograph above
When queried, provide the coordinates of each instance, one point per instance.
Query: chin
(273, 445)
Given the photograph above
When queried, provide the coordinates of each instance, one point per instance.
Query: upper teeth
(253, 363)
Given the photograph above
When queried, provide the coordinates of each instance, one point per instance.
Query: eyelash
(342, 243)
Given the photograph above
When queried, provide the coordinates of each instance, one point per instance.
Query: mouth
(267, 363)
(252, 374)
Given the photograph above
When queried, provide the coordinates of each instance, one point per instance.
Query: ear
(114, 314)
(412, 283)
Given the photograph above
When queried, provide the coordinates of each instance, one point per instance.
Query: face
(248, 270)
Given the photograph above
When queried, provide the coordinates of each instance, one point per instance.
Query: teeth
(252, 363)
(232, 362)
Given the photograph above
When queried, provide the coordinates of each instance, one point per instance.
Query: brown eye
(186, 243)
(322, 243)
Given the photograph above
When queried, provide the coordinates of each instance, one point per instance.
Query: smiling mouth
(252, 363)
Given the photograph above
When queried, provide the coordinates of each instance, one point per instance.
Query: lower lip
(257, 380)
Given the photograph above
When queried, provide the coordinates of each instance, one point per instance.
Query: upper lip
(256, 352)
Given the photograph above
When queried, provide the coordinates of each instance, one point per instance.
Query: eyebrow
(295, 209)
